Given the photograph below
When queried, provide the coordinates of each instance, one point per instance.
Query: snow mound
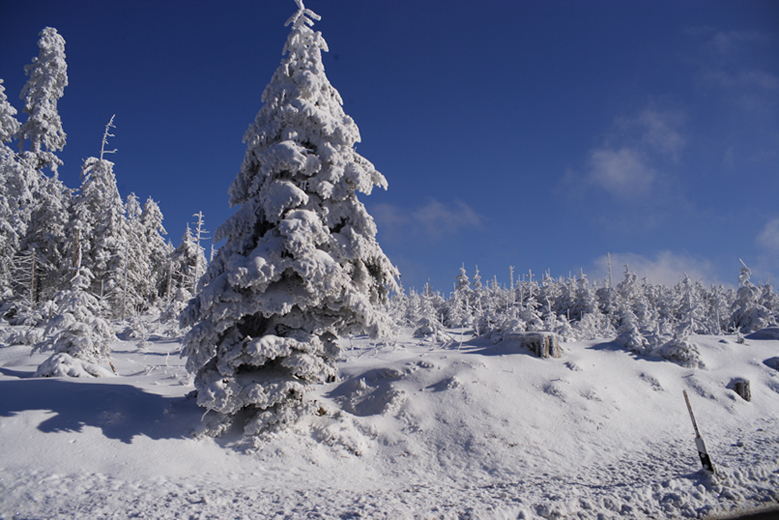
(766, 333)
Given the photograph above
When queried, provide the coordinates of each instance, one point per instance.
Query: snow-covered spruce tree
(48, 79)
(136, 283)
(184, 261)
(158, 251)
(458, 310)
(300, 265)
(9, 236)
(46, 234)
(181, 275)
(98, 229)
(38, 202)
(748, 314)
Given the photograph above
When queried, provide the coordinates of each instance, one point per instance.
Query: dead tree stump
(741, 387)
(542, 344)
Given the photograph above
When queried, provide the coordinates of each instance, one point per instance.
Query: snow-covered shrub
(75, 330)
(681, 351)
(64, 365)
(433, 330)
(26, 336)
(21, 313)
(592, 326)
(300, 264)
(748, 312)
(629, 335)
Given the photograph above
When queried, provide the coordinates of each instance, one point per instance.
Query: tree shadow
(121, 411)
(612, 346)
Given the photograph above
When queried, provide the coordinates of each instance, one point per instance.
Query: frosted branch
(303, 15)
(106, 135)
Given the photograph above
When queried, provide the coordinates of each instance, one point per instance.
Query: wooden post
(702, 453)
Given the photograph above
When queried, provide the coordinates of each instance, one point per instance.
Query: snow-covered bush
(300, 265)
(433, 330)
(749, 312)
(26, 336)
(77, 331)
(681, 351)
(593, 325)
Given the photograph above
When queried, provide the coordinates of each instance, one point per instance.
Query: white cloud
(746, 79)
(733, 64)
(666, 268)
(769, 236)
(661, 133)
(623, 173)
(627, 164)
(434, 220)
(731, 42)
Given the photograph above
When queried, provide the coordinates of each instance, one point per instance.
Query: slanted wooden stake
(702, 453)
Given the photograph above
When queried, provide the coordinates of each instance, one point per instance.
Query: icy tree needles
(300, 265)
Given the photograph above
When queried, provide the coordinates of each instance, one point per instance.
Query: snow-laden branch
(106, 135)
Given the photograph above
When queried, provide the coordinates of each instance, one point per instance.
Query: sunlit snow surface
(411, 430)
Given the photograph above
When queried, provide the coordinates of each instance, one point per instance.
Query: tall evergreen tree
(184, 261)
(41, 201)
(98, 229)
(137, 287)
(48, 79)
(157, 249)
(9, 235)
(300, 265)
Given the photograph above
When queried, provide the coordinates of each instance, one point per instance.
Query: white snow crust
(411, 429)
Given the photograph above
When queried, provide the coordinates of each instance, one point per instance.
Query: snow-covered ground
(411, 430)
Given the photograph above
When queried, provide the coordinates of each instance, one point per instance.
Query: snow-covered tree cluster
(643, 317)
(74, 258)
(300, 265)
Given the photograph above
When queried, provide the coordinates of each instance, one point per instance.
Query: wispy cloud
(727, 43)
(766, 262)
(732, 62)
(769, 236)
(666, 267)
(628, 163)
(433, 221)
(660, 131)
(623, 173)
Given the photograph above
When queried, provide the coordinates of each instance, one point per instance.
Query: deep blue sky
(542, 135)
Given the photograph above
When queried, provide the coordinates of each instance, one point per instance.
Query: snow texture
(469, 431)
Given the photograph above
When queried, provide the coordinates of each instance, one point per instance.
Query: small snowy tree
(184, 261)
(748, 314)
(300, 264)
(76, 333)
(459, 311)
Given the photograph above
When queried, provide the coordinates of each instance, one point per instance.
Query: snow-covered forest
(273, 326)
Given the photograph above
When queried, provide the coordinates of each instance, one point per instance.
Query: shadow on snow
(120, 411)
